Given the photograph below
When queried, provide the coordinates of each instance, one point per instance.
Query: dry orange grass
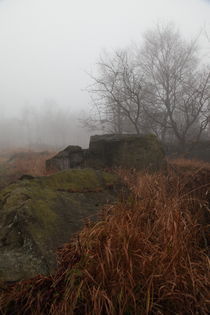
(33, 164)
(146, 255)
(15, 164)
(193, 163)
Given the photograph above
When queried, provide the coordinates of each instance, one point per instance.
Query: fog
(48, 127)
(47, 47)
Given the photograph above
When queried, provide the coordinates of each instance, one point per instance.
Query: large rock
(37, 215)
(111, 150)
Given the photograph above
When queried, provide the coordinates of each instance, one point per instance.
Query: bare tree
(177, 87)
(160, 88)
(118, 93)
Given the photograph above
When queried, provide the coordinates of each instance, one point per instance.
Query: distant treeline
(48, 126)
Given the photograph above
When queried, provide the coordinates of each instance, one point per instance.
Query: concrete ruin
(112, 150)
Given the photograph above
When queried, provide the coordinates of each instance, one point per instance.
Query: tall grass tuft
(147, 254)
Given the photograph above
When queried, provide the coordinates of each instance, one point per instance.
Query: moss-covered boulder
(37, 215)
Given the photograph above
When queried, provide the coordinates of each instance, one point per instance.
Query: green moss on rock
(39, 215)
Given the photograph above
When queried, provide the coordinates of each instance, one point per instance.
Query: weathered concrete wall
(111, 150)
(71, 157)
(127, 151)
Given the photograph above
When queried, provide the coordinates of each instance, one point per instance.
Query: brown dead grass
(14, 164)
(17, 163)
(33, 164)
(146, 255)
(193, 163)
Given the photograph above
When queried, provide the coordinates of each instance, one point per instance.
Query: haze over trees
(46, 127)
(160, 87)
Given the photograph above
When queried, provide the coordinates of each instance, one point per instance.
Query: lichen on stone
(39, 215)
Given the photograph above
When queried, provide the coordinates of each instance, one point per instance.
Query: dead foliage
(31, 163)
(15, 164)
(146, 255)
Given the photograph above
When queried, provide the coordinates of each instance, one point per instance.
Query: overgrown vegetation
(146, 255)
(13, 164)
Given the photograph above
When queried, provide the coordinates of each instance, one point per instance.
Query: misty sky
(46, 46)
